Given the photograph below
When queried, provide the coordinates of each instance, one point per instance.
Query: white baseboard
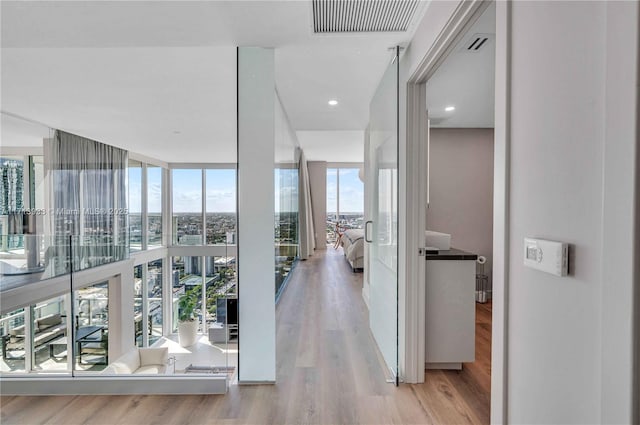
(114, 385)
(365, 295)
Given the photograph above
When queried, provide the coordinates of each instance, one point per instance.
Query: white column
(256, 261)
(121, 312)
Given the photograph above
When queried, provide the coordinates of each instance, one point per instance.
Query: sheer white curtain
(307, 232)
(87, 182)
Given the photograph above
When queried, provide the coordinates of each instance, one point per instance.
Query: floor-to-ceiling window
(213, 189)
(146, 186)
(286, 221)
(345, 200)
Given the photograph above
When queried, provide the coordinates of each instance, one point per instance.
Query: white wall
(565, 337)
(318, 183)
(461, 189)
(619, 251)
(434, 20)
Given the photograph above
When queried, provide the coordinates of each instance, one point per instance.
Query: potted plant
(187, 323)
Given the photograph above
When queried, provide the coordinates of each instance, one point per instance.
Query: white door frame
(415, 214)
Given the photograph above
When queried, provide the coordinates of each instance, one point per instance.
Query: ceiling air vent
(477, 42)
(335, 16)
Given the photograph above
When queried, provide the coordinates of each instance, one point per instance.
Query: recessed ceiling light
(333, 102)
(450, 108)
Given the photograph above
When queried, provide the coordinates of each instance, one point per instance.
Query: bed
(352, 242)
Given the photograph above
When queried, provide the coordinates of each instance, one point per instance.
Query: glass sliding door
(382, 231)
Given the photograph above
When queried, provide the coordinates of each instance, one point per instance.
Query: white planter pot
(188, 333)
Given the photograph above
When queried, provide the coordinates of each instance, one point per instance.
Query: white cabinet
(450, 311)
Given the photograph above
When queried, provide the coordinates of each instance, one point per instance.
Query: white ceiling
(134, 98)
(23, 133)
(332, 146)
(466, 80)
(158, 78)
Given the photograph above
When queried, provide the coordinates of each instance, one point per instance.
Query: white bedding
(353, 246)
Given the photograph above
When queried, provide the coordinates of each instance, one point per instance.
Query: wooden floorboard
(328, 372)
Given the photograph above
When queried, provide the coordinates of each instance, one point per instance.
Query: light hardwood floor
(328, 372)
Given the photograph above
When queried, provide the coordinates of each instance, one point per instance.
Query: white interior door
(382, 228)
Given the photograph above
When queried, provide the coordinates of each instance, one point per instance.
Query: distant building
(191, 240)
(11, 186)
(192, 266)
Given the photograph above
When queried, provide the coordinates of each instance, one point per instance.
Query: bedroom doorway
(345, 204)
(457, 98)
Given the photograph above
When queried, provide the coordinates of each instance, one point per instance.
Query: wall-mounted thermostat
(547, 256)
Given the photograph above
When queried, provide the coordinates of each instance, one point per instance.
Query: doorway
(450, 129)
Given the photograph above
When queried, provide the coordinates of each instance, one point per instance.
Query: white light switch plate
(547, 256)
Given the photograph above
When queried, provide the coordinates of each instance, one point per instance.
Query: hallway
(327, 358)
(328, 372)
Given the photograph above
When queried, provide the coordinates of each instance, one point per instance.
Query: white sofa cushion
(151, 369)
(154, 356)
(128, 363)
(140, 361)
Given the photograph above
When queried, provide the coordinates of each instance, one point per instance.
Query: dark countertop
(450, 254)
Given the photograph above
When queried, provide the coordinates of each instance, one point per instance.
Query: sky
(351, 190)
(221, 190)
(187, 190)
